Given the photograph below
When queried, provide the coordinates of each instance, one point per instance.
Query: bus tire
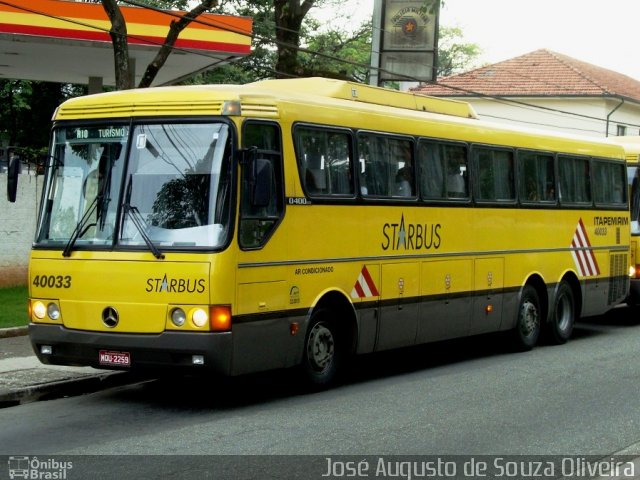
(322, 351)
(563, 315)
(528, 323)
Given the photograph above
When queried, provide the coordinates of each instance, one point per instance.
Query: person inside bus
(404, 175)
(456, 186)
(403, 182)
(532, 190)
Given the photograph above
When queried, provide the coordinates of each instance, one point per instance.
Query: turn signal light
(220, 317)
(293, 328)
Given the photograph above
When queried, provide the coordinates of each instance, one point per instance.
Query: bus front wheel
(563, 317)
(322, 351)
(528, 322)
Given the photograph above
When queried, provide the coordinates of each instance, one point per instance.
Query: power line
(518, 102)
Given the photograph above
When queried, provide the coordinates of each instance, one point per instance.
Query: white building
(544, 89)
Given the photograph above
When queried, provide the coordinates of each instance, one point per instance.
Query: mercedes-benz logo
(110, 317)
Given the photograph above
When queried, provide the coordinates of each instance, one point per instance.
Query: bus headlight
(632, 271)
(178, 317)
(53, 311)
(199, 317)
(39, 310)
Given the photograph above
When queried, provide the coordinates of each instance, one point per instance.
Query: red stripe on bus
(370, 282)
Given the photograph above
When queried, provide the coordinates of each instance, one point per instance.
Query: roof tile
(539, 73)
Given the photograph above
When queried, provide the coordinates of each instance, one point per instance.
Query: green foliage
(325, 52)
(322, 52)
(338, 54)
(454, 55)
(26, 109)
(13, 307)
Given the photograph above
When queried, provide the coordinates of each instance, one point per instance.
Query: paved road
(469, 397)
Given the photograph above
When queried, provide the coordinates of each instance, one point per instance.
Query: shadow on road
(209, 392)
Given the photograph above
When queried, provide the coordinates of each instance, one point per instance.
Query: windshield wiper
(82, 226)
(138, 221)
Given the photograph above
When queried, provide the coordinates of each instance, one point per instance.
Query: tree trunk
(289, 15)
(174, 31)
(118, 33)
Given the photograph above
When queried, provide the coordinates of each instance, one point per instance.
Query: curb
(13, 332)
(68, 387)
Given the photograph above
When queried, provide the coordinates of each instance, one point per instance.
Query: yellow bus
(631, 145)
(293, 223)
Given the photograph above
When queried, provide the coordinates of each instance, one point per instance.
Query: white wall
(17, 228)
(589, 119)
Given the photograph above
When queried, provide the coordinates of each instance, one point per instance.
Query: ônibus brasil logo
(35, 468)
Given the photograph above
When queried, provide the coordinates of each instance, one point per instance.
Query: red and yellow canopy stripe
(88, 21)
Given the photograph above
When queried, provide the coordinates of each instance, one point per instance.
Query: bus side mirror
(263, 180)
(12, 178)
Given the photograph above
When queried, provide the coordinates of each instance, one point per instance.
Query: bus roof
(631, 145)
(358, 92)
(198, 99)
(347, 104)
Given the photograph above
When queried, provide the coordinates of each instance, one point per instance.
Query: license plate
(117, 359)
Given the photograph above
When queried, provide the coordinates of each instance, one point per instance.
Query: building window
(621, 130)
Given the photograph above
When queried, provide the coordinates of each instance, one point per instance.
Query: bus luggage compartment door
(399, 305)
(487, 301)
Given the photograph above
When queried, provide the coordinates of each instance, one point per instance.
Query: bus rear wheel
(527, 330)
(563, 316)
(322, 351)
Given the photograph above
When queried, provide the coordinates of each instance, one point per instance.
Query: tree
(455, 56)
(261, 63)
(118, 33)
(289, 15)
(26, 108)
(338, 54)
(294, 46)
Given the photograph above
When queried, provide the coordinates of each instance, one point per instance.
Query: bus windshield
(157, 186)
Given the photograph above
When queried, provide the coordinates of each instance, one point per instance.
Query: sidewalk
(24, 379)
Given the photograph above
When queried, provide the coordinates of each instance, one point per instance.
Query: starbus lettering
(411, 236)
(175, 285)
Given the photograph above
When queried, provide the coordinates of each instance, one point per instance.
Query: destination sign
(97, 133)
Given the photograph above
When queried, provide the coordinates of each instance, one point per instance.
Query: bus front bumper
(179, 350)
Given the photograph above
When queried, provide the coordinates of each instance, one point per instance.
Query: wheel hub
(530, 318)
(321, 347)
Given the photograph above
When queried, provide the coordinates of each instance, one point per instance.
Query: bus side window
(495, 174)
(536, 177)
(324, 161)
(608, 184)
(375, 175)
(258, 222)
(388, 167)
(574, 179)
(430, 170)
(457, 172)
(443, 171)
(401, 161)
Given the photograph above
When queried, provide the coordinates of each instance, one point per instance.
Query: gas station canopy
(69, 42)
